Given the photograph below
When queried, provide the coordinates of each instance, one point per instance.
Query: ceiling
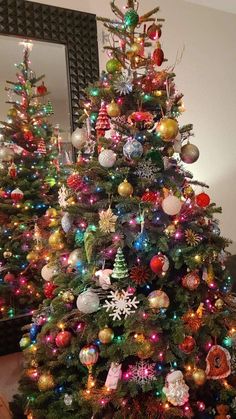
(225, 5)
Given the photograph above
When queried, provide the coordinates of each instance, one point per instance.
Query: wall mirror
(65, 50)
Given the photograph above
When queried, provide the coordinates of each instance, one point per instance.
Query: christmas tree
(142, 322)
(28, 186)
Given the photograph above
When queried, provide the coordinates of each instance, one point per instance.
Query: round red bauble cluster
(49, 289)
(75, 182)
(188, 345)
(9, 277)
(203, 200)
(63, 339)
(159, 263)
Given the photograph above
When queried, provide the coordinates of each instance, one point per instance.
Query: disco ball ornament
(189, 153)
(131, 18)
(63, 339)
(191, 281)
(159, 264)
(113, 65)
(168, 129)
(48, 272)
(133, 149)
(107, 158)
(79, 137)
(88, 355)
(203, 200)
(75, 258)
(46, 382)
(171, 205)
(88, 302)
(6, 154)
(158, 299)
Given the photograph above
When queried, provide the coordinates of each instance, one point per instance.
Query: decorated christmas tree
(142, 320)
(28, 186)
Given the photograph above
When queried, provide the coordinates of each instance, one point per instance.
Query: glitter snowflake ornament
(121, 304)
(63, 195)
(146, 170)
(107, 222)
(89, 146)
(142, 372)
(123, 84)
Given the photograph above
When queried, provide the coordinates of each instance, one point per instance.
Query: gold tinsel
(192, 238)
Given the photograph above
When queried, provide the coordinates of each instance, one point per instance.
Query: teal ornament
(131, 18)
(133, 149)
(79, 237)
(142, 243)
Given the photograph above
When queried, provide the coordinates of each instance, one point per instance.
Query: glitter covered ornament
(176, 390)
(66, 222)
(171, 205)
(63, 339)
(158, 56)
(203, 200)
(154, 32)
(49, 271)
(131, 18)
(88, 302)
(79, 137)
(17, 195)
(113, 65)
(46, 382)
(75, 182)
(191, 281)
(107, 221)
(133, 149)
(188, 345)
(107, 158)
(113, 109)
(158, 300)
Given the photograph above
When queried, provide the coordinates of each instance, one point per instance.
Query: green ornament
(131, 18)
(49, 108)
(94, 91)
(113, 65)
(79, 237)
(156, 157)
(31, 110)
(25, 342)
(120, 269)
(51, 181)
(93, 116)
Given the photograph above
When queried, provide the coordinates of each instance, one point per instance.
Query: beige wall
(206, 75)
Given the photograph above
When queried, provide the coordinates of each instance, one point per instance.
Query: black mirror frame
(78, 32)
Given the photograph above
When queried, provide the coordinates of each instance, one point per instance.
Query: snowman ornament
(176, 390)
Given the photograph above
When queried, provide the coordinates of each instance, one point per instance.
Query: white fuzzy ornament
(79, 137)
(171, 205)
(104, 278)
(107, 158)
(176, 390)
(66, 222)
(88, 302)
(48, 272)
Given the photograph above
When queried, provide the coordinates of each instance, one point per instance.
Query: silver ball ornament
(88, 302)
(107, 158)
(189, 153)
(79, 137)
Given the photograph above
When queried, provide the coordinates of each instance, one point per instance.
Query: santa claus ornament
(176, 390)
(218, 363)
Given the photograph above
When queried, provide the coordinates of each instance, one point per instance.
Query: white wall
(206, 75)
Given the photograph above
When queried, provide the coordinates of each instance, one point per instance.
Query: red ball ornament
(17, 195)
(154, 32)
(42, 90)
(203, 200)
(75, 182)
(150, 196)
(191, 281)
(158, 56)
(159, 263)
(49, 289)
(63, 339)
(9, 277)
(188, 345)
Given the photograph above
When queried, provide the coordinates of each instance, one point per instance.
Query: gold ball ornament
(56, 240)
(113, 109)
(106, 335)
(136, 48)
(53, 222)
(199, 377)
(188, 192)
(125, 189)
(12, 113)
(219, 304)
(67, 297)
(46, 382)
(32, 256)
(158, 299)
(51, 212)
(146, 350)
(168, 129)
(170, 230)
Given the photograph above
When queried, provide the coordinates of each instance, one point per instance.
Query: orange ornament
(218, 363)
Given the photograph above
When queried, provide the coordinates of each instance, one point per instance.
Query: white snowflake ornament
(121, 304)
(146, 170)
(142, 372)
(63, 195)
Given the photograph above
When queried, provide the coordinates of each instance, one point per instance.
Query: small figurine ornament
(218, 363)
(104, 280)
(176, 390)
(113, 376)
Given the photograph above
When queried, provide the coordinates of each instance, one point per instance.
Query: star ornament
(107, 222)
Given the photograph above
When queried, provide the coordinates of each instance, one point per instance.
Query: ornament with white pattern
(142, 372)
(63, 195)
(121, 304)
(146, 170)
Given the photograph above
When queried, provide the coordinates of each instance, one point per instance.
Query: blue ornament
(133, 149)
(79, 237)
(142, 244)
(60, 389)
(140, 136)
(160, 218)
(34, 330)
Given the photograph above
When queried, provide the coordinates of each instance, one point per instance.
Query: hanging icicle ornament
(107, 221)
